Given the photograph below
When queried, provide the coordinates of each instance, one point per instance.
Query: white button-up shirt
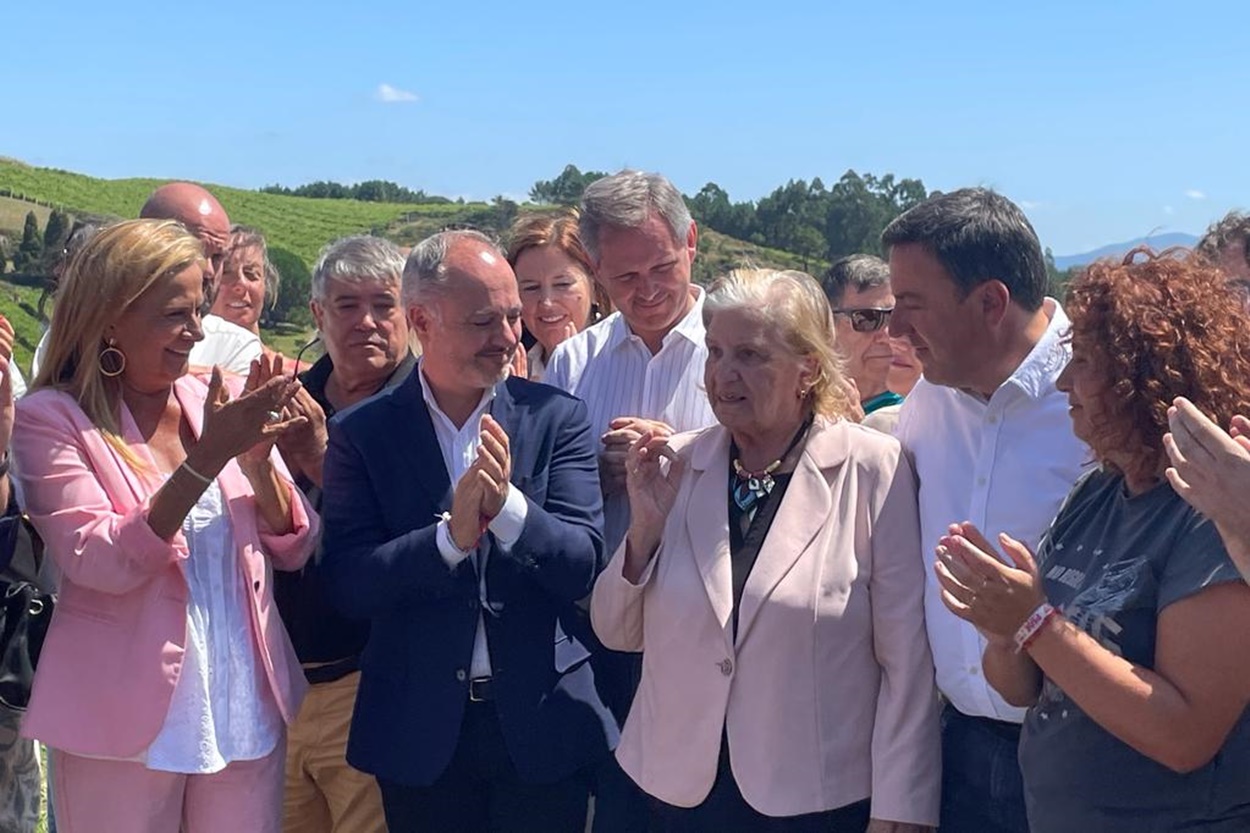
(459, 447)
(1006, 465)
(225, 344)
(614, 373)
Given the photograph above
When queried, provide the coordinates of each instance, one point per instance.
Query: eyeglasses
(300, 355)
(867, 319)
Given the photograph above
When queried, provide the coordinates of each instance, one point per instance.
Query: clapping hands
(247, 426)
(482, 491)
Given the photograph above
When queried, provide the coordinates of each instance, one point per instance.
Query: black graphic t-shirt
(1112, 563)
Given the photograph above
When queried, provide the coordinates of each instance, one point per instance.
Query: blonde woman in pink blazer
(166, 680)
(769, 578)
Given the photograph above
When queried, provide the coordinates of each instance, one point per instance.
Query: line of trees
(373, 190)
(805, 218)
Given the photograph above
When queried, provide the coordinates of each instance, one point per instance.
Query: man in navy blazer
(462, 516)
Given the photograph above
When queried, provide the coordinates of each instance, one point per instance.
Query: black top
(318, 631)
(1113, 562)
(747, 533)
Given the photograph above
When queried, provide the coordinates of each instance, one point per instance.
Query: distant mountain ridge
(1158, 242)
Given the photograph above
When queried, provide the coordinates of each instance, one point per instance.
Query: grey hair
(426, 271)
(858, 272)
(356, 259)
(626, 200)
(246, 237)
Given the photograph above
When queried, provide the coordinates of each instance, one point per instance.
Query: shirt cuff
(510, 521)
(447, 548)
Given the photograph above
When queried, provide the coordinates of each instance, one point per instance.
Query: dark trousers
(982, 791)
(481, 792)
(726, 811)
(620, 804)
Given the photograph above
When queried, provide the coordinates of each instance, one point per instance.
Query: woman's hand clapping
(247, 426)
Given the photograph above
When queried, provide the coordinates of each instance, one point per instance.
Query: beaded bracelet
(1033, 625)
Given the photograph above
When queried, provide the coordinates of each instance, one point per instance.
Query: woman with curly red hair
(1128, 636)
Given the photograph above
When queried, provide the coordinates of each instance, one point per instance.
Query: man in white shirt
(225, 344)
(643, 364)
(992, 444)
(640, 367)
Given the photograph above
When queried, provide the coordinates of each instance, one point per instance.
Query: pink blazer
(827, 692)
(114, 649)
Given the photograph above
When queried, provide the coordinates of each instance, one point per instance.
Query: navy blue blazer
(385, 487)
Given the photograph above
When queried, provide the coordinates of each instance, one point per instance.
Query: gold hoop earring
(112, 361)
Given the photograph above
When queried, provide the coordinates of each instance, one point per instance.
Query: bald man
(225, 344)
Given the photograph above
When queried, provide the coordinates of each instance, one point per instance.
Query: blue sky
(1105, 120)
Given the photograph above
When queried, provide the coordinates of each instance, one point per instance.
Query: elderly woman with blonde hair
(769, 577)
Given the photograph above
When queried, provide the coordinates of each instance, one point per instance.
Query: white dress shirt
(225, 344)
(614, 373)
(18, 383)
(1006, 465)
(459, 447)
(41, 350)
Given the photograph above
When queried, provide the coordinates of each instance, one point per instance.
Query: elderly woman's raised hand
(1211, 471)
(979, 588)
(652, 488)
(247, 426)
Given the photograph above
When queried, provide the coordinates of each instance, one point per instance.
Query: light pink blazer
(114, 649)
(827, 693)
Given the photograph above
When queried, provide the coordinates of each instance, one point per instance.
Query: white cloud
(1169, 210)
(1195, 194)
(1029, 205)
(387, 94)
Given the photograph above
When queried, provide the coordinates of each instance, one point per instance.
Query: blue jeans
(982, 791)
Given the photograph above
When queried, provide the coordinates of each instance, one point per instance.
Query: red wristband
(1033, 625)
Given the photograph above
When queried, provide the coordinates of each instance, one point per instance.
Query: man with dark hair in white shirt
(992, 443)
(639, 369)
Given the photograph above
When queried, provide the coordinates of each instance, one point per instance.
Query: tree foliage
(810, 220)
(31, 248)
(293, 291)
(56, 232)
(566, 189)
(373, 190)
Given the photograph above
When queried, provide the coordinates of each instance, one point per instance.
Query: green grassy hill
(298, 224)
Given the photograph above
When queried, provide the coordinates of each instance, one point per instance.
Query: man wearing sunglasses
(858, 288)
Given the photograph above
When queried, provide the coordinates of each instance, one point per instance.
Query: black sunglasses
(866, 319)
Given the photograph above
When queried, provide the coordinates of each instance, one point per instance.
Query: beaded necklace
(750, 487)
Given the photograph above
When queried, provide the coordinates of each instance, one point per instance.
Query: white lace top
(222, 708)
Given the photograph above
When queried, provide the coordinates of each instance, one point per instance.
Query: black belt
(331, 671)
(481, 690)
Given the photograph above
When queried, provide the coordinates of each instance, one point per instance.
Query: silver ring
(274, 416)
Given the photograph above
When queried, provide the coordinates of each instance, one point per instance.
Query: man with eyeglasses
(858, 288)
(224, 344)
(355, 301)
